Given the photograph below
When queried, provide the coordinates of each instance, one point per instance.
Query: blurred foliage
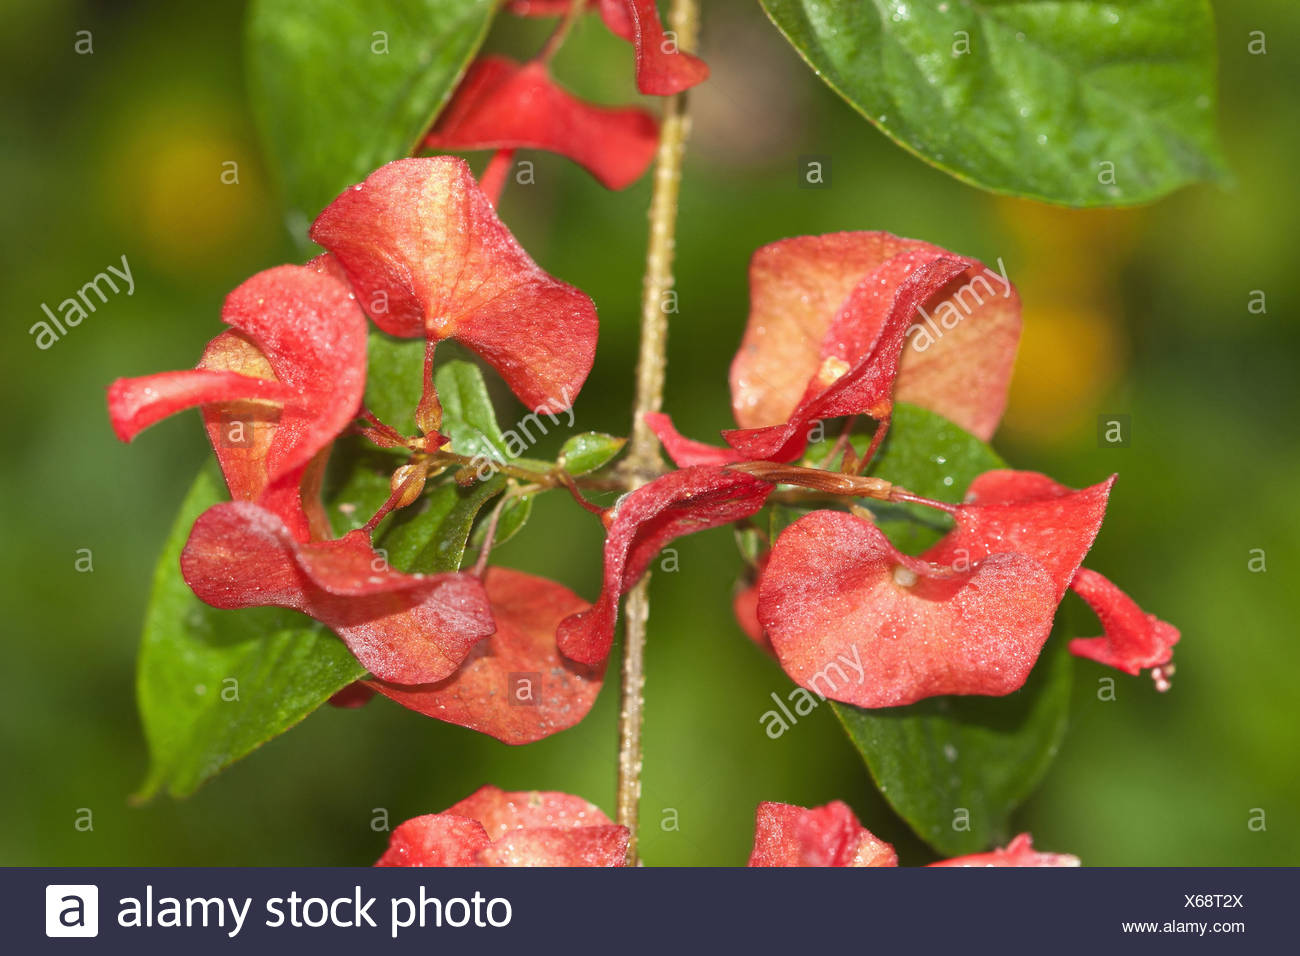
(1141, 312)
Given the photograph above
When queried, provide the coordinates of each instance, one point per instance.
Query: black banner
(649, 910)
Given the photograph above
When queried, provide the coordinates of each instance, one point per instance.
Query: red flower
(852, 618)
(515, 686)
(1019, 852)
(501, 104)
(744, 605)
(829, 319)
(958, 359)
(640, 524)
(1133, 640)
(409, 628)
(494, 828)
(293, 372)
(429, 259)
(289, 377)
(661, 68)
(787, 835)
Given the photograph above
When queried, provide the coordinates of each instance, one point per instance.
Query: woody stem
(643, 454)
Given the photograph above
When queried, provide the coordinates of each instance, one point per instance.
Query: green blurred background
(1141, 312)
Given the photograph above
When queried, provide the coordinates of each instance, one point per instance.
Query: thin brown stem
(835, 483)
(490, 537)
(561, 31)
(643, 455)
(571, 485)
(841, 443)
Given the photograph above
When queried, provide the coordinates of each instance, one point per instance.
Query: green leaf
(983, 755)
(394, 379)
(514, 516)
(214, 685)
(467, 415)
(340, 87)
(430, 536)
(751, 544)
(1047, 94)
(588, 451)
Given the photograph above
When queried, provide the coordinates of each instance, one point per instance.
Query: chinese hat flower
(516, 685)
(643, 522)
(501, 104)
(428, 258)
(787, 835)
(295, 366)
(833, 332)
(291, 372)
(661, 68)
(969, 616)
(494, 828)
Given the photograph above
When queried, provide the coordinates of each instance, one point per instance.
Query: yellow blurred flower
(1074, 347)
(185, 186)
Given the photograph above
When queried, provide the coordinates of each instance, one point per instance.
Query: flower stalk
(643, 454)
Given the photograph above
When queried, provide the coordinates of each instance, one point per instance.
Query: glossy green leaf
(585, 452)
(1083, 103)
(394, 379)
(340, 87)
(514, 516)
(468, 418)
(430, 536)
(214, 685)
(955, 767)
